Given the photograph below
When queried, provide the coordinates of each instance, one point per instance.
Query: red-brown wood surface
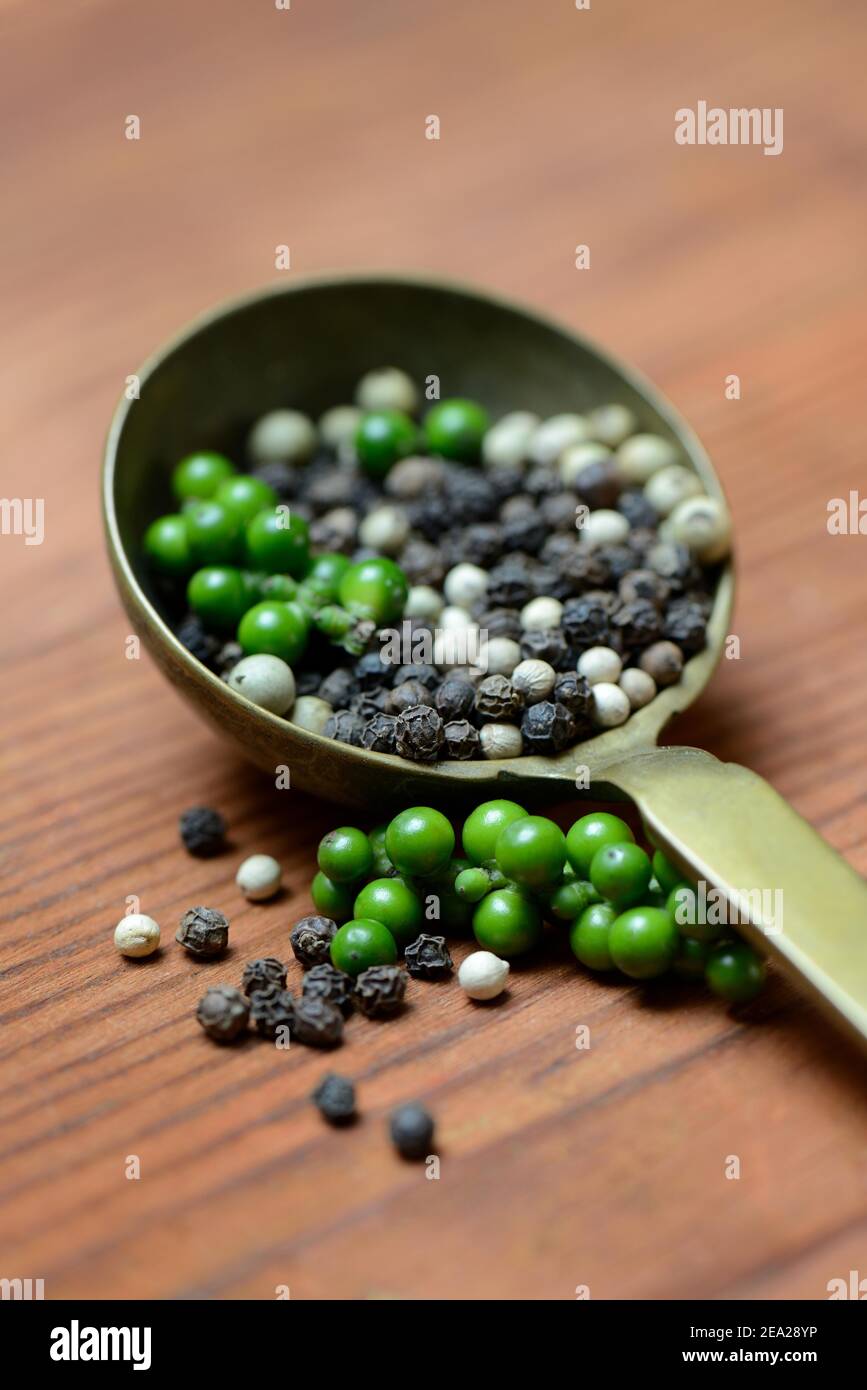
(603, 1167)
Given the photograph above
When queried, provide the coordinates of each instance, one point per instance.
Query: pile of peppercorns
(545, 578)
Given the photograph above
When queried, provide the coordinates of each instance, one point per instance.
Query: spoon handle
(785, 889)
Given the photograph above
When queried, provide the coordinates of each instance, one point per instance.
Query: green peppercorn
(568, 900)
(735, 972)
(219, 596)
(419, 841)
(455, 429)
(167, 546)
(245, 496)
(214, 532)
(483, 826)
(200, 475)
(277, 629)
(666, 875)
(532, 852)
(682, 905)
(327, 571)
(383, 437)
(332, 899)
(643, 942)
(691, 959)
(278, 542)
(382, 865)
(472, 884)
(333, 622)
(507, 923)
(361, 943)
(345, 855)
(393, 903)
(592, 833)
(375, 589)
(442, 903)
(496, 875)
(277, 586)
(589, 936)
(621, 873)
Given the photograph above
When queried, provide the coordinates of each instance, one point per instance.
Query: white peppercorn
(671, 485)
(454, 619)
(643, 455)
(541, 614)
(611, 424)
(266, 680)
(136, 935)
(338, 426)
(604, 527)
(282, 436)
(499, 656)
(385, 529)
(506, 443)
(703, 525)
(483, 975)
(311, 713)
(424, 602)
(577, 457)
(259, 877)
(556, 434)
(411, 476)
(600, 664)
(387, 388)
(640, 687)
(610, 705)
(465, 585)
(534, 679)
(501, 741)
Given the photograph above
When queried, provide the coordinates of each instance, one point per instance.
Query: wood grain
(259, 127)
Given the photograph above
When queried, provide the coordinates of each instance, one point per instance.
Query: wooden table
(559, 1167)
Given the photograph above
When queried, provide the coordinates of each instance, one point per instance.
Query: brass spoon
(307, 345)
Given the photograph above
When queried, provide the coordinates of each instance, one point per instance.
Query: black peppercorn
(646, 584)
(272, 1012)
(334, 1098)
(548, 727)
(559, 511)
(380, 734)
(345, 727)
(311, 939)
(518, 504)
(558, 548)
(422, 563)
(338, 688)
(203, 831)
(470, 496)
(509, 584)
(671, 560)
(371, 671)
(335, 488)
(546, 644)
(408, 694)
(548, 582)
(635, 625)
(497, 699)
(617, 559)
(480, 544)
(427, 958)
(585, 622)
(412, 1130)
(663, 661)
(204, 932)
(199, 643)
(635, 507)
(419, 734)
(506, 482)
(379, 990)
(317, 1023)
(526, 532)
(455, 698)
(368, 703)
(576, 693)
(583, 570)
(500, 622)
(599, 484)
(685, 623)
(282, 477)
(260, 973)
(223, 1012)
(421, 671)
(542, 480)
(307, 682)
(461, 740)
(327, 982)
